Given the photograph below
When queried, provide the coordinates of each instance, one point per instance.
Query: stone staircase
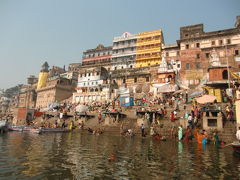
(228, 132)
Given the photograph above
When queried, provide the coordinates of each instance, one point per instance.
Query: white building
(92, 85)
(124, 51)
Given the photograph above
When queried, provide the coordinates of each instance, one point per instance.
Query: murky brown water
(83, 156)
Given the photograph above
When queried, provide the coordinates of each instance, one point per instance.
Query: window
(116, 51)
(228, 41)
(135, 79)
(98, 54)
(198, 65)
(124, 80)
(122, 67)
(115, 68)
(131, 66)
(198, 56)
(187, 46)
(220, 42)
(97, 73)
(187, 66)
(186, 35)
(123, 50)
(225, 74)
(178, 66)
(132, 49)
(197, 45)
(207, 55)
(236, 52)
(178, 53)
(213, 43)
(167, 54)
(147, 79)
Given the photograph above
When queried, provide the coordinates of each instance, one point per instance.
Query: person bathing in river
(188, 134)
(204, 137)
(142, 130)
(180, 133)
(64, 124)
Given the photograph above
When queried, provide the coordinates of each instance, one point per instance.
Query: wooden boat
(15, 128)
(37, 131)
(28, 128)
(54, 130)
(236, 147)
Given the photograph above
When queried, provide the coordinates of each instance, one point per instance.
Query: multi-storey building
(92, 85)
(171, 53)
(51, 87)
(136, 80)
(196, 47)
(124, 51)
(56, 90)
(149, 47)
(100, 56)
(27, 94)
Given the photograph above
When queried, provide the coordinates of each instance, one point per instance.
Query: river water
(83, 156)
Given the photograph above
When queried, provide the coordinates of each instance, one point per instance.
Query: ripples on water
(84, 156)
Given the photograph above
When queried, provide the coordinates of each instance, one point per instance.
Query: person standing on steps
(142, 130)
(238, 134)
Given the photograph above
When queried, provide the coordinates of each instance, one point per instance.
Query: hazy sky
(58, 31)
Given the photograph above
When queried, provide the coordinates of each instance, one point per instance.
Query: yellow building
(149, 47)
(43, 75)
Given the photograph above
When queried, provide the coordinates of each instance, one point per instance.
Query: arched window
(225, 74)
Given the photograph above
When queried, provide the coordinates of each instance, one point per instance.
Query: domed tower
(43, 75)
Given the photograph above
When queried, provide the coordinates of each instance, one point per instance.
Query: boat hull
(54, 130)
(15, 128)
(236, 147)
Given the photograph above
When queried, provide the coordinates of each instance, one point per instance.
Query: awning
(166, 88)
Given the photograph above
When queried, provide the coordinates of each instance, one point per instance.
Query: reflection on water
(84, 156)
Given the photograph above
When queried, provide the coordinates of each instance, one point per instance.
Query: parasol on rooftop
(206, 99)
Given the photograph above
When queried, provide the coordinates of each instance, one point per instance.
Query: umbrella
(82, 108)
(206, 99)
(196, 93)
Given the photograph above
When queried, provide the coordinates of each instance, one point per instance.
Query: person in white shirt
(238, 134)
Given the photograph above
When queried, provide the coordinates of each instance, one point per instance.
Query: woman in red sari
(172, 116)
